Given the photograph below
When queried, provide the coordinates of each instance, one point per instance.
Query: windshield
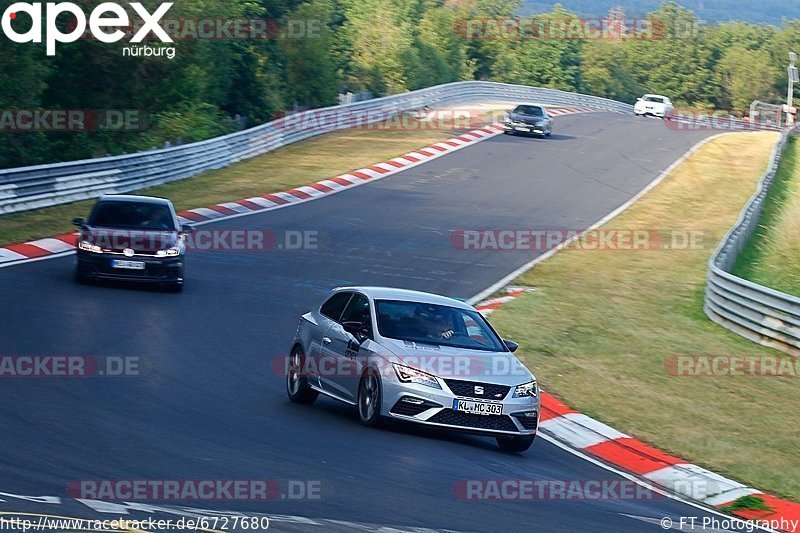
(529, 110)
(436, 324)
(132, 215)
(656, 99)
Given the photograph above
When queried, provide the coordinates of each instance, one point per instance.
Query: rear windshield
(532, 111)
(132, 215)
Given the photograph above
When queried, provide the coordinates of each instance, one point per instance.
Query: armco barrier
(761, 314)
(46, 185)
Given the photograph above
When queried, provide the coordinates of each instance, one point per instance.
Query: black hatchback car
(132, 238)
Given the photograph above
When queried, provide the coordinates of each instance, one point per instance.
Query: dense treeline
(760, 12)
(320, 48)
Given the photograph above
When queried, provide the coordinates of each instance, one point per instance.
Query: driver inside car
(442, 327)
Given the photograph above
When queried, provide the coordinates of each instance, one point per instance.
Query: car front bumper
(660, 113)
(434, 407)
(536, 129)
(156, 269)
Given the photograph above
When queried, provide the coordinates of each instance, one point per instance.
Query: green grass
(601, 326)
(772, 255)
(298, 164)
(747, 503)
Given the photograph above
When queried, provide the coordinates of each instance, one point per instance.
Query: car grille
(528, 422)
(467, 389)
(150, 271)
(469, 420)
(412, 409)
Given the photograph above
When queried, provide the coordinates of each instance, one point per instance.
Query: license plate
(129, 265)
(478, 407)
(522, 129)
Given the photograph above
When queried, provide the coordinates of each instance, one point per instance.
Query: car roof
(405, 295)
(133, 198)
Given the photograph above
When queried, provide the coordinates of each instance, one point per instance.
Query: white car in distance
(653, 104)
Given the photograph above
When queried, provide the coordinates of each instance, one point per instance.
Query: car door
(329, 314)
(340, 359)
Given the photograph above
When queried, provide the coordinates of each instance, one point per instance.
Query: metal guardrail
(46, 185)
(761, 314)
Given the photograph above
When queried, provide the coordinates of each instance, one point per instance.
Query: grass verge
(747, 503)
(298, 164)
(601, 327)
(772, 256)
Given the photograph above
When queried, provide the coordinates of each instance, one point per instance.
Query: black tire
(369, 399)
(171, 286)
(297, 386)
(80, 276)
(177, 285)
(515, 444)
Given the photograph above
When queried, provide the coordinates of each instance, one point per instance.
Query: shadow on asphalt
(552, 138)
(330, 407)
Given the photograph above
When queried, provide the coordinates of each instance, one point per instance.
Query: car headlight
(526, 389)
(169, 252)
(89, 247)
(406, 374)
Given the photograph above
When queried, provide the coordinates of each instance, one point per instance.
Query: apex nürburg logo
(102, 22)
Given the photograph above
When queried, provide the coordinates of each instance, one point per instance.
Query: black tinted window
(132, 215)
(358, 311)
(335, 305)
(528, 110)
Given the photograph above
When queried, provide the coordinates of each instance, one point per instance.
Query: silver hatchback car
(415, 357)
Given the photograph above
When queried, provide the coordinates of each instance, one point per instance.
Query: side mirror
(78, 222)
(638, 99)
(511, 345)
(356, 329)
(352, 326)
(187, 228)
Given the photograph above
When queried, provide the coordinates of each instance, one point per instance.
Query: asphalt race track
(207, 404)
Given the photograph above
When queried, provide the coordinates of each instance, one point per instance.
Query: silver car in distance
(416, 357)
